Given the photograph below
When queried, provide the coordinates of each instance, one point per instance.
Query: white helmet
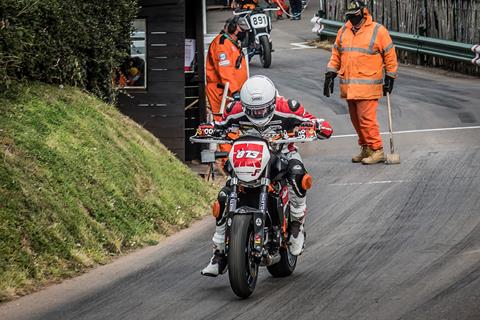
(258, 97)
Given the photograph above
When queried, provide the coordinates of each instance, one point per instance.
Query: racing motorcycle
(258, 40)
(257, 210)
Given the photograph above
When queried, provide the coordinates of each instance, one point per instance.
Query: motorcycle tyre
(266, 53)
(238, 260)
(284, 267)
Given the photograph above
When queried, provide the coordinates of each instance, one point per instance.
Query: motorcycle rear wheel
(285, 266)
(242, 270)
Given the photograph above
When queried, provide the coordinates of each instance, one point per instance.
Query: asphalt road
(384, 242)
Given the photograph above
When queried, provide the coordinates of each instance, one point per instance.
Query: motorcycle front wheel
(242, 269)
(266, 54)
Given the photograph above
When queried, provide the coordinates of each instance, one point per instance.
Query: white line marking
(301, 45)
(368, 182)
(413, 131)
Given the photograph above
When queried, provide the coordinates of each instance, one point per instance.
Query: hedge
(72, 42)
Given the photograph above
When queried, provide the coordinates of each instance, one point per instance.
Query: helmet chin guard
(258, 98)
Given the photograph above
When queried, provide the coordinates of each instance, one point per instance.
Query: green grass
(80, 183)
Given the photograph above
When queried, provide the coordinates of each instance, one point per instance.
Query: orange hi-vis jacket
(361, 59)
(222, 67)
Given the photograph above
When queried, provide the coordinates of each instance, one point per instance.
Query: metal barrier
(413, 43)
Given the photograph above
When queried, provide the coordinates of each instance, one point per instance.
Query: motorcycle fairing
(249, 159)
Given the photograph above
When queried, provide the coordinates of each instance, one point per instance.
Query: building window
(132, 73)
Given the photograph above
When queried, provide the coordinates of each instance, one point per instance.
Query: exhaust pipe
(270, 260)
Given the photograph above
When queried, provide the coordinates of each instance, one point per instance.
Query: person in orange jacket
(363, 51)
(282, 7)
(245, 4)
(226, 63)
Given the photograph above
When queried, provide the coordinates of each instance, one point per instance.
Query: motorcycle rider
(244, 4)
(260, 106)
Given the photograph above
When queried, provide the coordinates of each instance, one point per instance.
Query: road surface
(384, 242)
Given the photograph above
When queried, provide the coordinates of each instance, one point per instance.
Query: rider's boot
(297, 233)
(297, 238)
(218, 263)
(298, 206)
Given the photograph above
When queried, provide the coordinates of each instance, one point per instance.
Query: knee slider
(296, 174)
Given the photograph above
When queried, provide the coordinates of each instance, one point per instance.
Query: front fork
(259, 216)
(232, 206)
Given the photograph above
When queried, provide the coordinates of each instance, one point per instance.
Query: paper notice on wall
(189, 54)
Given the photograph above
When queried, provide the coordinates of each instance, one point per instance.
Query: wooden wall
(160, 108)
(194, 81)
(456, 20)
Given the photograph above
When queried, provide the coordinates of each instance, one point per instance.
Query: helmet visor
(260, 112)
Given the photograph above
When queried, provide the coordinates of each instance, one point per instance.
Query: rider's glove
(324, 129)
(205, 129)
(328, 84)
(236, 96)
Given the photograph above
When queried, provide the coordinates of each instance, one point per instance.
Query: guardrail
(413, 43)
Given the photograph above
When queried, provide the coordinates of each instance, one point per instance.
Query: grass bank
(80, 183)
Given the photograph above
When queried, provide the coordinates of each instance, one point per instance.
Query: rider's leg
(217, 263)
(298, 202)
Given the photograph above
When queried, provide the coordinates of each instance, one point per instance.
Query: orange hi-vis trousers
(363, 114)
(281, 4)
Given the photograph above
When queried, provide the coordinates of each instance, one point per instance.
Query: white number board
(259, 20)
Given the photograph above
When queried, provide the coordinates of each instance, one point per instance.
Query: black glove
(328, 85)
(236, 96)
(388, 85)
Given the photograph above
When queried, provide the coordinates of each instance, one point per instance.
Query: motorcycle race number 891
(248, 159)
(259, 20)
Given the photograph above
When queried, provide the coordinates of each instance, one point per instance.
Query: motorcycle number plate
(247, 155)
(248, 159)
(259, 20)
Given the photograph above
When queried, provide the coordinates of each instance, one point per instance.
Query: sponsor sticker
(258, 222)
(224, 63)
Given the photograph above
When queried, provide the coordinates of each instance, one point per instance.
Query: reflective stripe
(391, 74)
(332, 69)
(388, 48)
(374, 36)
(336, 47)
(360, 81)
(341, 35)
(362, 50)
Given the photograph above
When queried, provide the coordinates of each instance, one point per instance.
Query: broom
(392, 158)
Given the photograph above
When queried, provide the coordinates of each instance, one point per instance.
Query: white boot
(297, 238)
(217, 265)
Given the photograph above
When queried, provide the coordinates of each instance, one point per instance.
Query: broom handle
(390, 125)
(224, 98)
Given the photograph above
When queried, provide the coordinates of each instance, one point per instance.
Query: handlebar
(248, 11)
(195, 139)
(293, 140)
(239, 12)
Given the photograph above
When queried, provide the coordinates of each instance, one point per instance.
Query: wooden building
(164, 78)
